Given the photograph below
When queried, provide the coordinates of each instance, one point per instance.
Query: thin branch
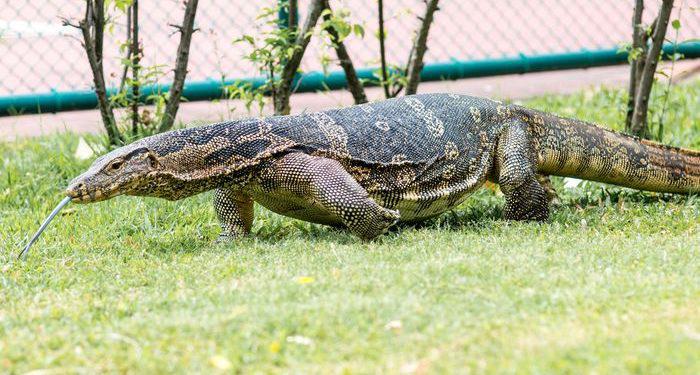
(354, 84)
(645, 37)
(293, 12)
(178, 29)
(664, 106)
(645, 34)
(421, 45)
(637, 32)
(183, 53)
(99, 14)
(67, 22)
(136, 60)
(89, 44)
(271, 77)
(292, 65)
(398, 87)
(88, 12)
(639, 118)
(382, 49)
(122, 81)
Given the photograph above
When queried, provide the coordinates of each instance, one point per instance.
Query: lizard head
(127, 170)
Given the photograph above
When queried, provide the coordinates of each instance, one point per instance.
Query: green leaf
(358, 30)
(245, 38)
(676, 24)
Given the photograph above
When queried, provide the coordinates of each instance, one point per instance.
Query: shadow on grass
(606, 195)
(475, 217)
(280, 231)
(482, 212)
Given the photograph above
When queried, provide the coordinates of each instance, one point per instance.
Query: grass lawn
(610, 284)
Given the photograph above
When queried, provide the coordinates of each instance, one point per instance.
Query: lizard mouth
(79, 193)
(88, 197)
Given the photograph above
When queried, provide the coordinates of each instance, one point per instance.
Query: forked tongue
(25, 251)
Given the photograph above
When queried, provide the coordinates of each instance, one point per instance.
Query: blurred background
(40, 55)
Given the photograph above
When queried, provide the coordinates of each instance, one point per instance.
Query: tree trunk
(354, 84)
(106, 112)
(293, 14)
(284, 87)
(122, 81)
(99, 22)
(94, 18)
(639, 118)
(136, 60)
(415, 65)
(637, 41)
(645, 36)
(382, 50)
(183, 53)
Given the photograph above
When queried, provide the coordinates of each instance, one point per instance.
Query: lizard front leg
(235, 212)
(325, 186)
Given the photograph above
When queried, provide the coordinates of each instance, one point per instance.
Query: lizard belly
(430, 198)
(289, 204)
(416, 207)
(416, 210)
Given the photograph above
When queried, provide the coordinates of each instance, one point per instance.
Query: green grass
(610, 284)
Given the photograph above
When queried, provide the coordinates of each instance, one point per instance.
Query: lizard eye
(116, 165)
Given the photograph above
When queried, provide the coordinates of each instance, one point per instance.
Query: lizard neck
(198, 159)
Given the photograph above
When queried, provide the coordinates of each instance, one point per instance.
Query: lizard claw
(386, 219)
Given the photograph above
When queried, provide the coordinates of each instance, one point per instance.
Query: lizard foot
(378, 224)
(227, 238)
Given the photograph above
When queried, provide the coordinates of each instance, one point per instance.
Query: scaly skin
(366, 167)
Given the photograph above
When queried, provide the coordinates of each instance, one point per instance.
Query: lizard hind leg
(527, 202)
(526, 199)
(326, 193)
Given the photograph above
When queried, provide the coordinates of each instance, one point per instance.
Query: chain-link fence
(38, 54)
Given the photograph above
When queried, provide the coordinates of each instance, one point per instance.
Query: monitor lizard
(368, 166)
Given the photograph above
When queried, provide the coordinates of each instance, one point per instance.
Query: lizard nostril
(76, 190)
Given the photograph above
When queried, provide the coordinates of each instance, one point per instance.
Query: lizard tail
(573, 148)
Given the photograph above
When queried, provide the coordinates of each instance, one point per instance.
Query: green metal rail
(56, 101)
